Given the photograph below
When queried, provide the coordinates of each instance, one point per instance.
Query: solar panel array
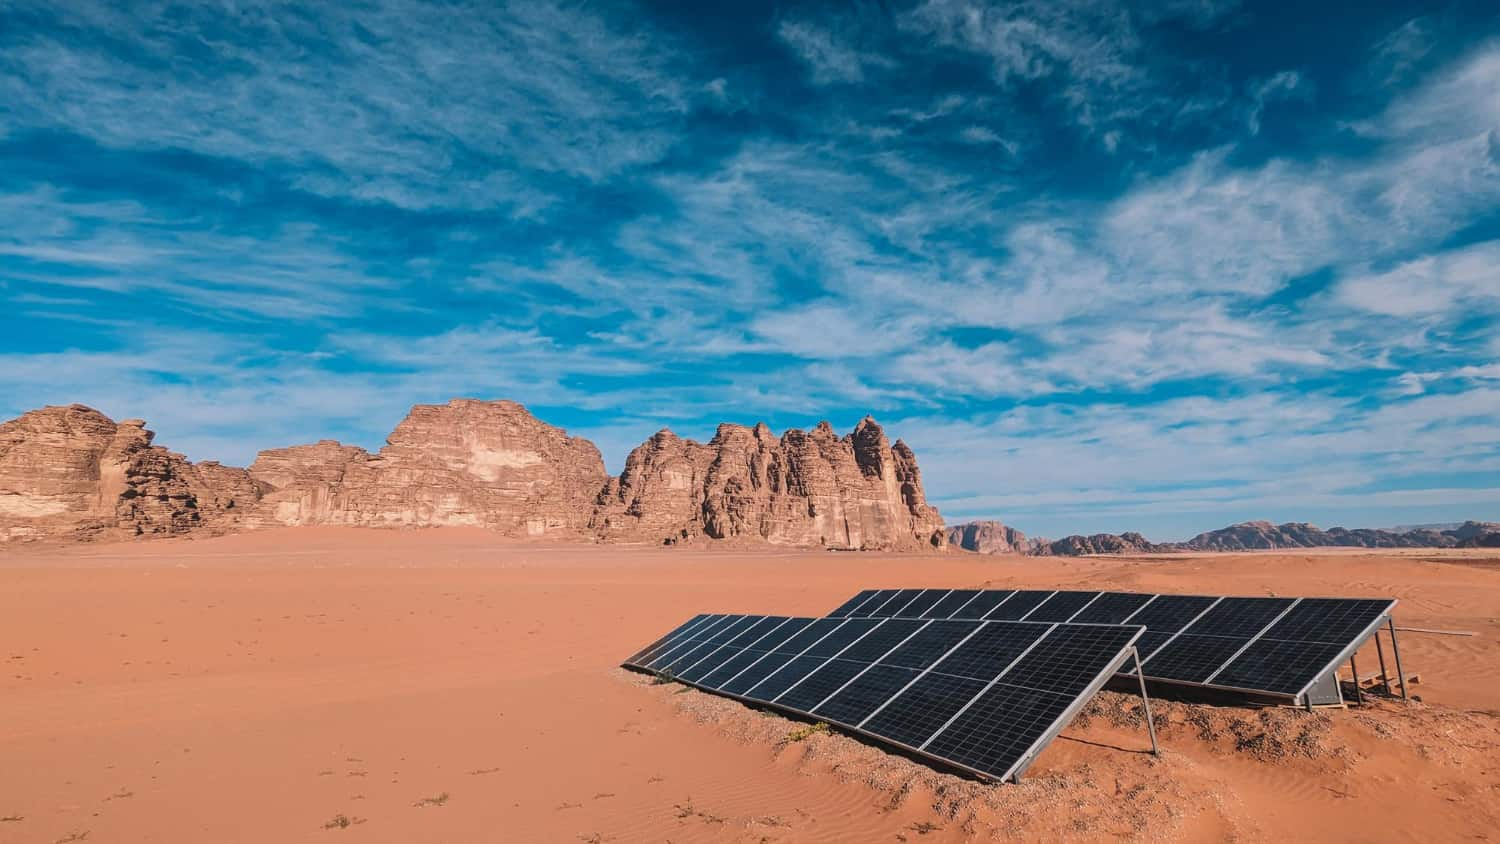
(1271, 646)
(985, 696)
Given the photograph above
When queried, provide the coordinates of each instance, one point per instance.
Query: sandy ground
(332, 685)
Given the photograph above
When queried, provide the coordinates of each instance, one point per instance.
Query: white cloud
(828, 53)
(1461, 280)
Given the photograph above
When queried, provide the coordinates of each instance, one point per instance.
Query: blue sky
(1105, 266)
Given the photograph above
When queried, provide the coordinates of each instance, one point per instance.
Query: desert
(638, 421)
(449, 684)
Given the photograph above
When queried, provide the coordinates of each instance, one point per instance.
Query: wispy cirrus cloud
(1103, 270)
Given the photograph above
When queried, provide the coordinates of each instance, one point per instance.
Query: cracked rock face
(72, 472)
(805, 488)
(468, 462)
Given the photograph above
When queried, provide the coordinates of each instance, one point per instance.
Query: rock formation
(1248, 536)
(70, 471)
(474, 463)
(987, 537)
(806, 488)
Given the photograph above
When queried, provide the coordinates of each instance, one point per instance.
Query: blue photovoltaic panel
(887, 677)
(1111, 608)
(922, 604)
(1215, 648)
(953, 603)
(1019, 605)
(875, 602)
(981, 605)
(851, 604)
(1062, 606)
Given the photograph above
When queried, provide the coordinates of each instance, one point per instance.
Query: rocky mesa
(71, 472)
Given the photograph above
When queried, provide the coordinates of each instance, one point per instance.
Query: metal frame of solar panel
(1283, 648)
(982, 696)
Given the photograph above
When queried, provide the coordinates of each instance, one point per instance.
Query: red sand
(446, 685)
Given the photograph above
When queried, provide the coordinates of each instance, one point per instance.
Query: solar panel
(1019, 605)
(852, 604)
(1271, 646)
(1062, 606)
(922, 604)
(986, 696)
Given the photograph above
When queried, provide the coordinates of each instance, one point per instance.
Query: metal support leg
(1359, 699)
(1145, 702)
(1396, 650)
(1384, 675)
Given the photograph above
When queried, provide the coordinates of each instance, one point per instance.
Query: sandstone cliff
(806, 488)
(72, 472)
(474, 463)
(988, 537)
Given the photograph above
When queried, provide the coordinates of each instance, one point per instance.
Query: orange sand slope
(443, 685)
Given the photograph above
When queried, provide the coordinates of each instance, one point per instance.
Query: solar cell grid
(986, 600)
(914, 715)
(1171, 613)
(865, 694)
(930, 644)
(1111, 608)
(692, 639)
(1240, 617)
(1278, 666)
(849, 606)
(785, 677)
(819, 684)
(1192, 658)
(1018, 605)
(755, 672)
(1329, 620)
(952, 604)
(897, 601)
(990, 650)
(1003, 723)
(920, 605)
(877, 642)
(1069, 657)
(843, 636)
(808, 636)
(642, 656)
(1062, 606)
(875, 602)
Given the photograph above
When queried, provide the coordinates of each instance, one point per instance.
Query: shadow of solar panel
(1069, 657)
(1019, 604)
(980, 607)
(826, 680)
(1192, 659)
(850, 605)
(1329, 620)
(865, 694)
(920, 605)
(951, 604)
(1062, 606)
(1241, 618)
(1111, 608)
(990, 650)
(930, 643)
(1003, 723)
(1279, 666)
(913, 716)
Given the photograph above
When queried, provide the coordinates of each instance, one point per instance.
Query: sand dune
(445, 685)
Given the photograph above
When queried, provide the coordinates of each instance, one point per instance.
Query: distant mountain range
(990, 537)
